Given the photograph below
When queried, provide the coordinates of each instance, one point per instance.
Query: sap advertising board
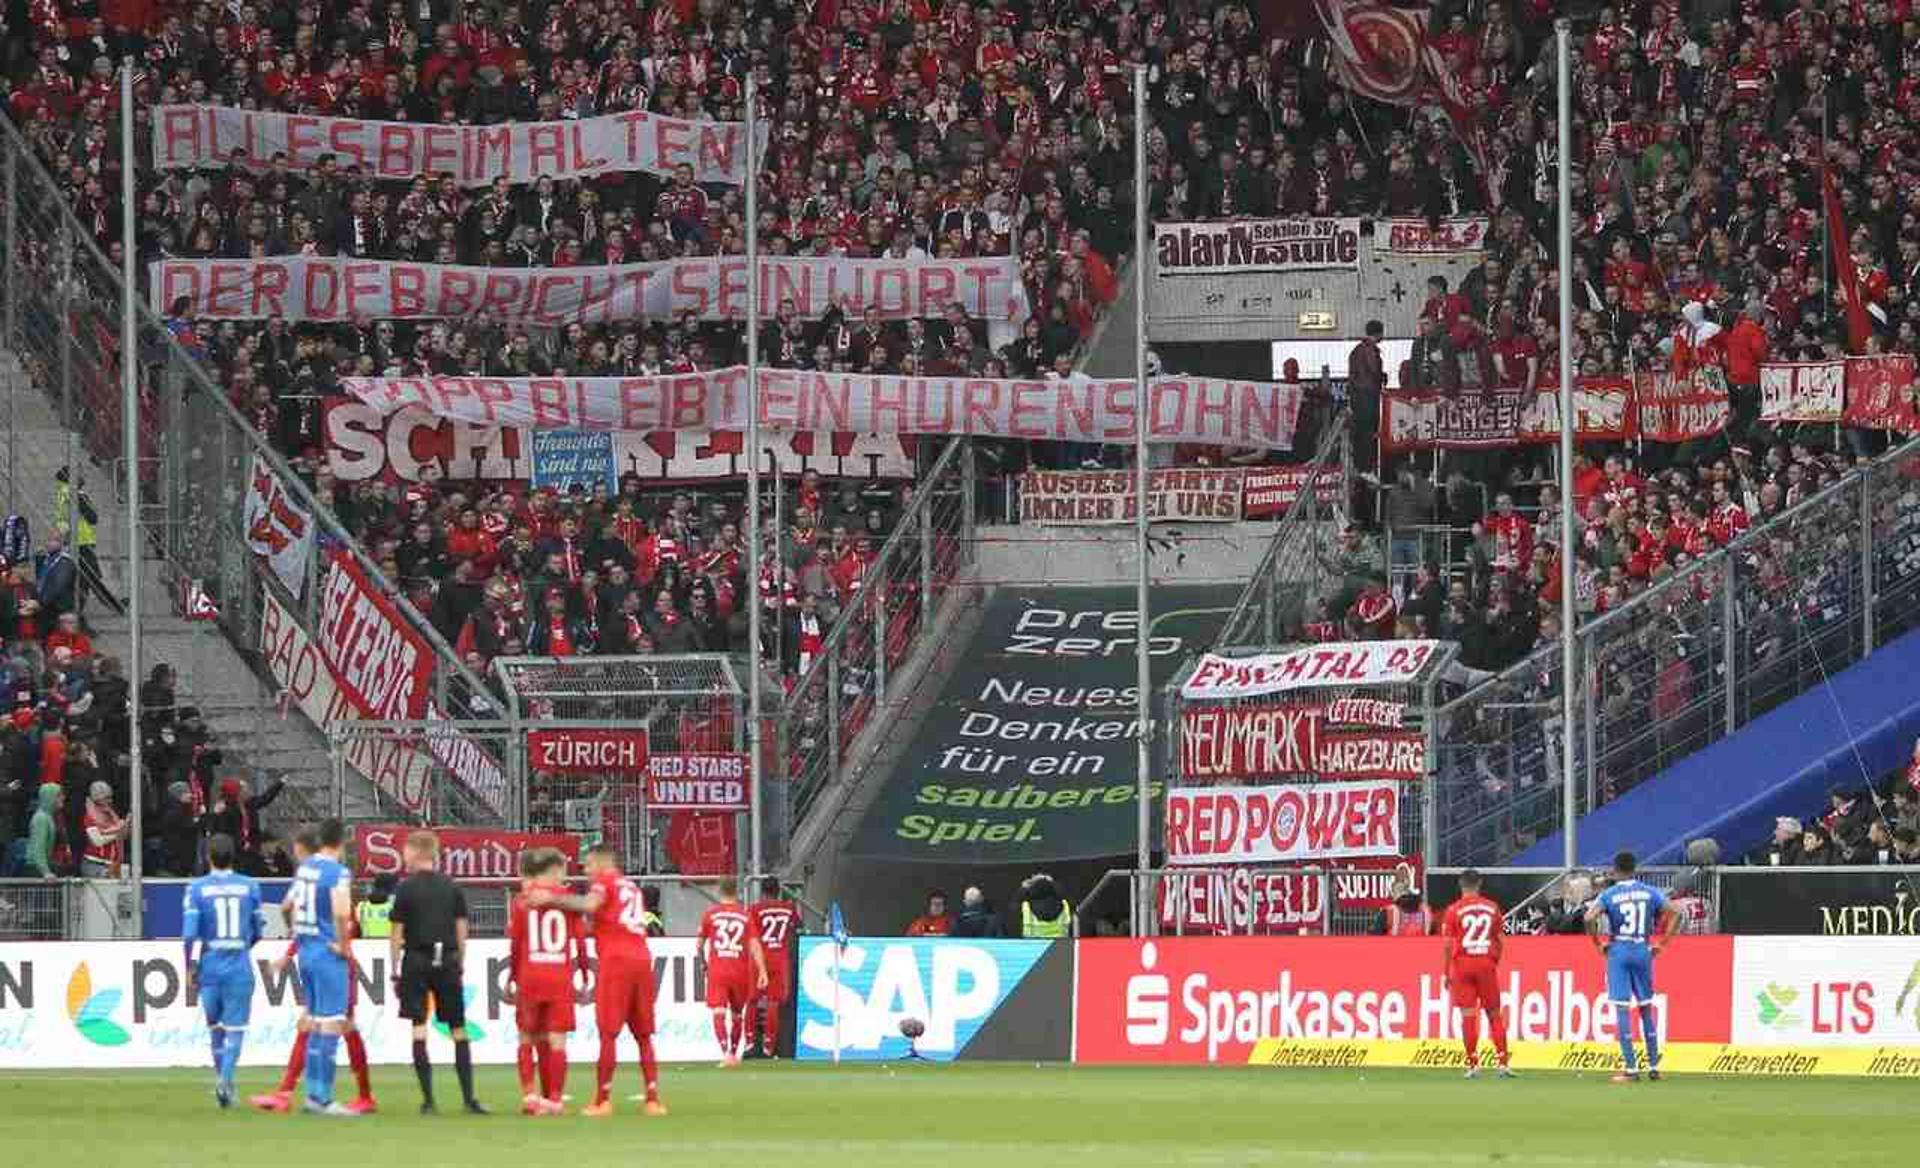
(1029, 754)
(985, 999)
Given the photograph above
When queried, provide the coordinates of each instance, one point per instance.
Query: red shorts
(623, 1000)
(730, 991)
(1476, 985)
(552, 1015)
(778, 990)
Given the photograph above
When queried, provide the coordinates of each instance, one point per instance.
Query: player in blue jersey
(1638, 924)
(320, 913)
(222, 915)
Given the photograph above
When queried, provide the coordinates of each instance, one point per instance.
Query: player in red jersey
(736, 969)
(776, 921)
(623, 990)
(1474, 930)
(547, 944)
(280, 1098)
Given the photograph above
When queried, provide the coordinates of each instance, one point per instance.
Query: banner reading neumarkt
(186, 136)
(1029, 753)
(342, 288)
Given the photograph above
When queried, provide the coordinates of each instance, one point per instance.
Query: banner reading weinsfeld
(119, 1004)
(191, 136)
(1249, 900)
(1071, 498)
(1414, 420)
(342, 288)
(1270, 742)
(1256, 245)
(1308, 667)
(466, 853)
(587, 751)
(1180, 409)
(1283, 824)
(382, 665)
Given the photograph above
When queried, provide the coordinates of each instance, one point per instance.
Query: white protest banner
(1803, 391)
(381, 663)
(304, 677)
(1256, 245)
(697, 782)
(188, 136)
(1308, 667)
(1181, 409)
(1098, 497)
(342, 288)
(277, 527)
(1283, 824)
(402, 446)
(668, 456)
(1414, 237)
(112, 1005)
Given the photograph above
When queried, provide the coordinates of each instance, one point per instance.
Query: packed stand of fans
(1876, 823)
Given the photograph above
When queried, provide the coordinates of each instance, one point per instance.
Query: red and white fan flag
(1385, 53)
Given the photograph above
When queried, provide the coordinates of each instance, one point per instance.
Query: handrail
(1299, 513)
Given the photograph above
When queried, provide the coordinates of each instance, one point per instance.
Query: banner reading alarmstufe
(211, 135)
(1180, 409)
(342, 288)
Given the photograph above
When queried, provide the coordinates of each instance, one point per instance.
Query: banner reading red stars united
(212, 135)
(342, 288)
(1180, 409)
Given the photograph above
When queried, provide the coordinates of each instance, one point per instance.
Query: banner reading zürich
(1029, 753)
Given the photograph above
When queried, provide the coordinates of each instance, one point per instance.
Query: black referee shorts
(419, 977)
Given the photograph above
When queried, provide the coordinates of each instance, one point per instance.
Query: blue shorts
(1629, 976)
(323, 978)
(226, 995)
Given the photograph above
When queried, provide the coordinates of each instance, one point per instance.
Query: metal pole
(130, 426)
(1866, 562)
(15, 284)
(1569, 811)
(1143, 634)
(754, 831)
(1730, 640)
(64, 322)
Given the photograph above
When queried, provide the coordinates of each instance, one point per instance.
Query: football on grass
(912, 1028)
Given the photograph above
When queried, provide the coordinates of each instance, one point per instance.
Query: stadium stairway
(238, 707)
(1848, 733)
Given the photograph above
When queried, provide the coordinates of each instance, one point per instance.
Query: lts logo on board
(873, 985)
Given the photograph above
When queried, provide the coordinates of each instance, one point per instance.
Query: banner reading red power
(576, 752)
(382, 665)
(1270, 742)
(1205, 999)
(1279, 825)
(465, 853)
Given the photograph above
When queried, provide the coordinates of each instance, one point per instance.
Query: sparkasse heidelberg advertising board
(119, 1004)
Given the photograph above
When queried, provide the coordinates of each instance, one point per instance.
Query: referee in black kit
(427, 950)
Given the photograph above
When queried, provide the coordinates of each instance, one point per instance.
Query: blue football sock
(230, 1055)
(319, 1069)
(1623, 1022)
(1649, 1033)
(218, 1038)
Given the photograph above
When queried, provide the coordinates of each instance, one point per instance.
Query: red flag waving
(1840, 244)
(1385, 53)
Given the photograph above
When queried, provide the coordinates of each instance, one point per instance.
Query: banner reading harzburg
(188, 136)
(1181, 409)
(343, 288)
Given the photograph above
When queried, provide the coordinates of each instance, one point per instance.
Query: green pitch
(1001, 1116)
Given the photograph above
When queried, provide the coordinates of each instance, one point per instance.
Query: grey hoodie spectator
(976, 918)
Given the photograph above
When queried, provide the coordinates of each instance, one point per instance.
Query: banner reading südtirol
(1029, 754)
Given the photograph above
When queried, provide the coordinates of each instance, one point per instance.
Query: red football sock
(296, 1062)
(721, 1019)
(357, 1056)
(556, 1065)
(608, 1066)
(526, 1068)
(1497, 1031)
(1470, 1032)
(649, 1070)
(770, 1033)
(739, 1031)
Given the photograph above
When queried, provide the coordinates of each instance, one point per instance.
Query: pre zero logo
(91, 1010)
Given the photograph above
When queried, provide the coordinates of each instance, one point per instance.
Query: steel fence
(1304, 577)
(845, 686)
(426, 772)
(689, 704)
(60, 303)
(1235, 901)
(36, 910)
(1684, 665)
